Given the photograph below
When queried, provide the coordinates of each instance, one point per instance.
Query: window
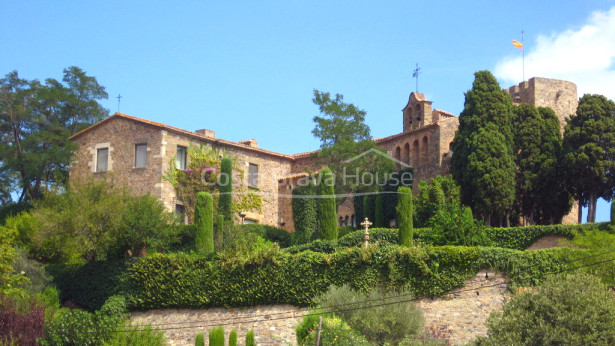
(180, 212)
(181, 157)
(102, 160)
(253, 175)
(140, 155)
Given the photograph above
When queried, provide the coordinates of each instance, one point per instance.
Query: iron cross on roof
(415, 74)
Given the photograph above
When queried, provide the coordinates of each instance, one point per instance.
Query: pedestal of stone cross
(366, 225)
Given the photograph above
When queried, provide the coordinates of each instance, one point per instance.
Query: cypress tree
(204, 223)
(305, 213)
(250, 338)
(368, 208)
(485, 104)
(200, 340)
(225, 202)
(357, 202)
(404, 216)
(220, 231)
(326, 205)
(232, 338)
(216, 336)
(379, 211)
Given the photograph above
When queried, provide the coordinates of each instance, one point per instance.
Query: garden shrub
(115, 306)
(200, 340)
(79, 328)
(305, 213)
(334, 332)
(216, 336)
(387, 324)
(573, 309)
(34, 271)
(232, 337)
(21, 323)
(137, 336)
(382, 236)
(89, 285)
(454, 224)
(250, 338)
(270, 233)
(318, 245)
(13, 209)
(342, 231)
(204, 223)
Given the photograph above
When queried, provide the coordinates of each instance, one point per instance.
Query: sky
(248, 69)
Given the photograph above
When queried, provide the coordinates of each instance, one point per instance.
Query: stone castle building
(137, 152)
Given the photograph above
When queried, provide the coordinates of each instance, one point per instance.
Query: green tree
(486, 106)
(369, 207)
(204, 223)
(403, 177)
(216, 336)
(225, 201)
(346, 145)
(494, 171)
(541, 194)
(404, 216)
(327, 209)
(573, 309)
(435, 195)
(36, 120)
(305, 213)
(250, 338)
(589, 146)
(379, 211)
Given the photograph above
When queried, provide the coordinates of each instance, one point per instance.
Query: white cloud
(585, 56)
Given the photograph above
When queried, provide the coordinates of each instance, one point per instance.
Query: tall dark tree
(486, 106)
(441, 191)
(36, 120)
(327, 209)
(225, 201)
(589, 146)
(542, 196)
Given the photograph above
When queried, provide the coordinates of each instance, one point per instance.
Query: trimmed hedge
(271, 233)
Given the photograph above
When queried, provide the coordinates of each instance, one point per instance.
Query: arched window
(346, 221)
(415, 153)
(424, 150)
(405, 154)
(398, 155)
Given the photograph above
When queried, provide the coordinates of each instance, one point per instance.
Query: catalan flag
(518, 44)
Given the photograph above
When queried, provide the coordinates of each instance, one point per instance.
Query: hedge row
(519, 238)
(189, 281)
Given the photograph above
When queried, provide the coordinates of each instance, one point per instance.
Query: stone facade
(424, 144)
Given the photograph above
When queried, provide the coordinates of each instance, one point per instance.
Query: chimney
(206, 133)
(250, 143)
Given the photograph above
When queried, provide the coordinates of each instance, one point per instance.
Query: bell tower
(417, 113)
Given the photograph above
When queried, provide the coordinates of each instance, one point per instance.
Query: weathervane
(415, 74)
(119, 97)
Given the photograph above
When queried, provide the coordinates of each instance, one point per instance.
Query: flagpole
(523, 53)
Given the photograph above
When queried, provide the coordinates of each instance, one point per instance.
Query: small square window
(140, 155)
(181, 157)
(253, 175)
(102, 160)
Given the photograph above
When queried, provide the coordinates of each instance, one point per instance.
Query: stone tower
(559, 95)
(417, 112)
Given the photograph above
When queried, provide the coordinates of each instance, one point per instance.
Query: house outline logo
(378, 152)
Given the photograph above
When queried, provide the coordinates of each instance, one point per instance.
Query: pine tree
(225, 202)
(404, 216)
(486, 104)
(379, 211)
(305, 213)
(327, 209)
(204, 223)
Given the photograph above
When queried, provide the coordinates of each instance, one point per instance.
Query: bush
(204, 223)
(13, 209)
(200, 340)
(318, 245)
(34, 271)
(146, 225)
(78, 327)
(137, 336)
(304, 214)
(574, 309)
(454, 225)
(115, 306)
(334, 332)
(250, 338)
(342, 231)
(232, 338)
(381, 236)
(270, 233)
(21, 323)
(216, 336)
(388, 324)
